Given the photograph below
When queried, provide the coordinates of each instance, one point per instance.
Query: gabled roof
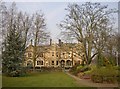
(63, 46)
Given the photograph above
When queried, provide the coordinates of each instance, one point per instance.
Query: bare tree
(39, 34)
(116, 43)
(22, 22)
(30, 27)
(13, 39)
(86, 23)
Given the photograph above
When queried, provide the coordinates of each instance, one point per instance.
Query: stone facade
(54, 55)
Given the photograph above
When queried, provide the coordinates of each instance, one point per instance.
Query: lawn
(52, 79)
(0, 80)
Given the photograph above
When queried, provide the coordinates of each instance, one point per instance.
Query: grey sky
(54, 13)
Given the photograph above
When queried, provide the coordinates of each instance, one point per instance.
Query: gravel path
(91, 84)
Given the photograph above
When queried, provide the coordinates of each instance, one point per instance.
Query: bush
(80, 75)
(75, 69)
(92, 67)
(14, 74)
(118, 77)
(85, 68)
(106, 74)
(17, 73)
(97, 78)
(88, 72)
(74, 72)
(79, 69)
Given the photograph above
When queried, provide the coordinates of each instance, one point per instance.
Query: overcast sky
(54, 12)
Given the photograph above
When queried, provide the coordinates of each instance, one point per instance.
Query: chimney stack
(31, 41)
(50, 41)
(60, 42)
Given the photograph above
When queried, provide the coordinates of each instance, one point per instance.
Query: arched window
(68, 63)
(62, 63)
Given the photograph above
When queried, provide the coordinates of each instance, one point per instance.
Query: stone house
(55, 55)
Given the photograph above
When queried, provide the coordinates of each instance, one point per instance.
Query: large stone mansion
(55, 55)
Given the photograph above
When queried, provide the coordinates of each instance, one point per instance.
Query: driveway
(89, 83)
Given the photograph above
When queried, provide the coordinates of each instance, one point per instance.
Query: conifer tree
(12, 54)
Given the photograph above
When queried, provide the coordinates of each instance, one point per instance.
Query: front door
(62, 63)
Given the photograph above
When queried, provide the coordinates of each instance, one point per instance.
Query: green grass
(0, 80)
(52, 79)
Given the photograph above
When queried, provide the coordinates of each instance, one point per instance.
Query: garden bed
(105, 74)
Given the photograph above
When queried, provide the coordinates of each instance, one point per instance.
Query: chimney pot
(50, 41)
